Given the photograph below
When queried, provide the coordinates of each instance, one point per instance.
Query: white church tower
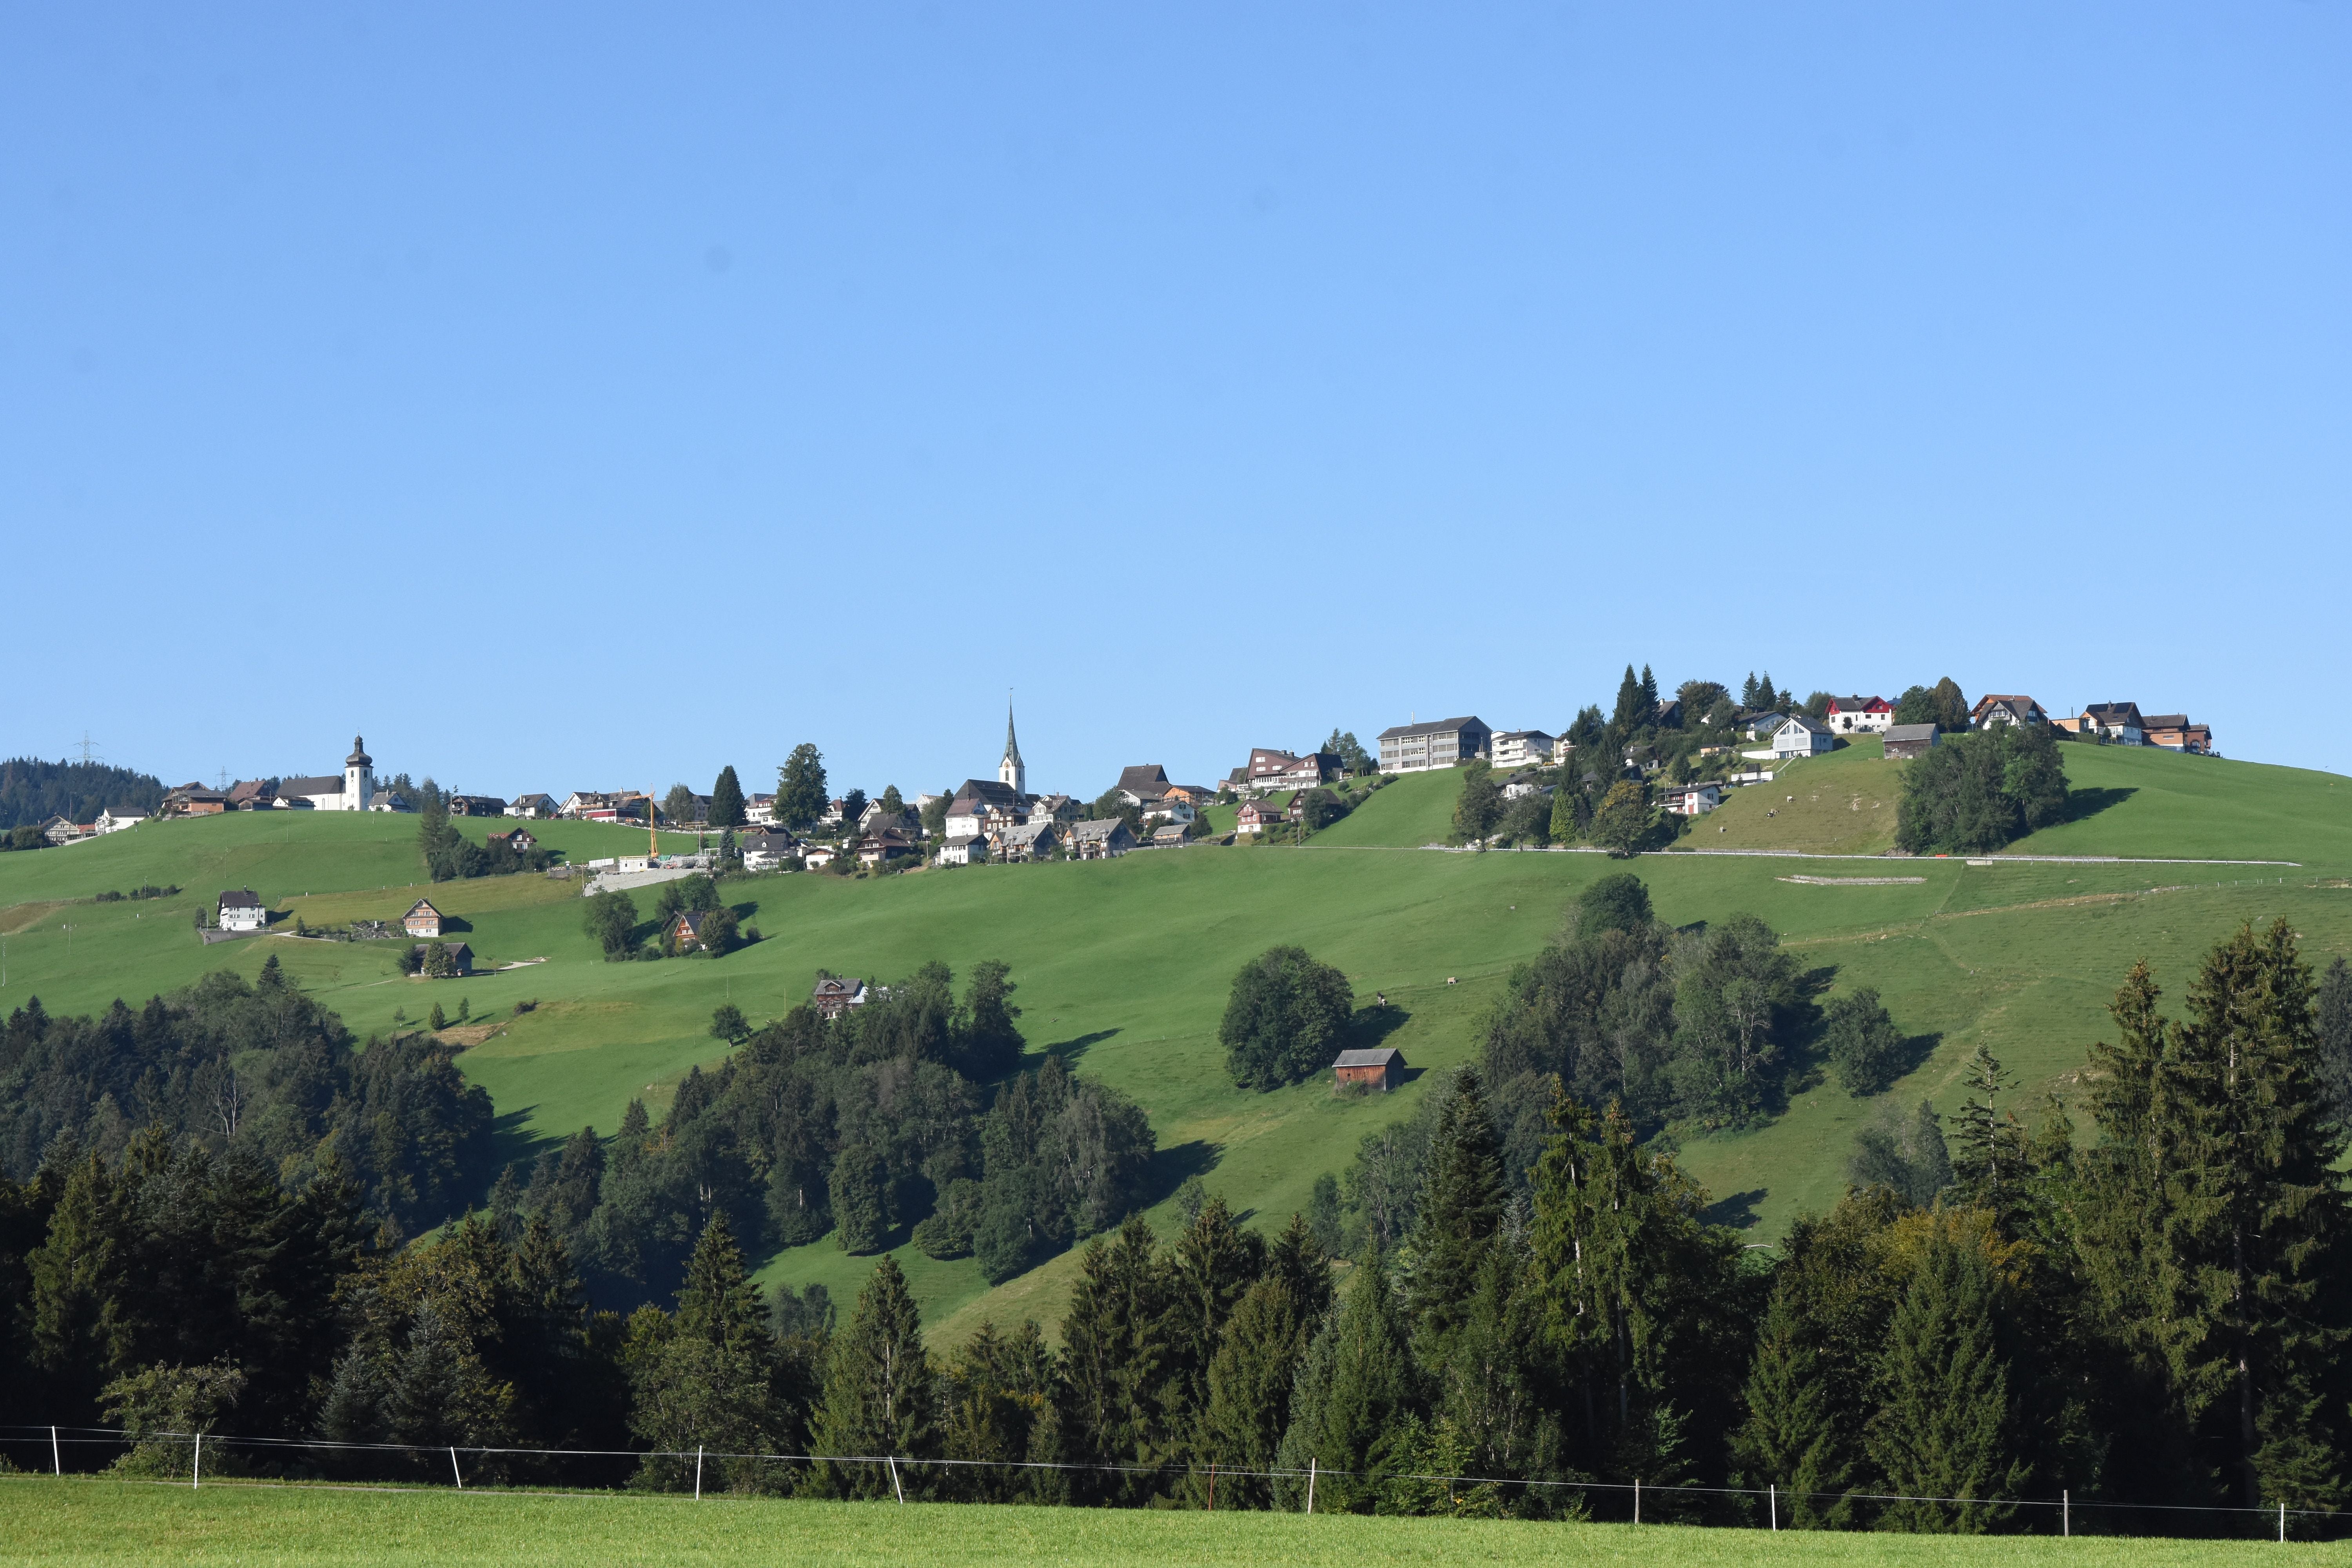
(1009, 769)
(359, 777)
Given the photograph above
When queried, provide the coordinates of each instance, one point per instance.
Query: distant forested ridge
(34, 791)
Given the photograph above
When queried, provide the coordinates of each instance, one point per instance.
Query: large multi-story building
(1436, 744)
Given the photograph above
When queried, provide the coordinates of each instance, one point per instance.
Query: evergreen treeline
(1970, 793)
(863, 1126)
(2152, 1310)
(32, 790)
(258, 1069)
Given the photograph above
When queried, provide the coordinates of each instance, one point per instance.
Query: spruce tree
(879, 1394)
(1249, 1383)
(2333, 1024)
(1116, 1361)
(1629, 716)
(1947, 1424)
(1212, 1263)
(726, 800)
(1461, 1209)
(1988, 1162)
(861, 1199)
(718, 1303)
(1793, 1437)
(1361, 1390)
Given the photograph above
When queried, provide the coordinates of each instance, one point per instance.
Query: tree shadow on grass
(2091, 800)
(1736, 1210)
(1371, 1026)
(1172, 1165)
(1916, 1050)
(1069, 1051)
(512, 1141)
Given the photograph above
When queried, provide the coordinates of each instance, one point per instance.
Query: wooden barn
(1383, 1067)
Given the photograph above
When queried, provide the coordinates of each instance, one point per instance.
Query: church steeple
(1009, 769)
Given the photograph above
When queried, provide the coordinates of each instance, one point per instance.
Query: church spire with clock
(1009, 770)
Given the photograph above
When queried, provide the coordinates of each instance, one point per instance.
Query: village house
(195, 800)
(1859, 715)
(1911, 739)
(1523, 748)
(877, 816)
(537, 806)
(964, 851)
(458, 957)
(1024, 841)
(519, 839)
(2117, 723)
(835, 996)
(773, 851)
(57, 830)
(1438, 743)
(422, 920)
(1195, 795)
(1105, 840)
(594, 805)
(1168, 835)
(1268, 770)
(1381, 1066)
(240, 910)
(982, 807)
(1054, 808)
(1692, 799)
(1992, 711)
(759, 811)
(477, 806)
(1141, 782)
(1168, 808)
(1797, 736)
(686, 933)
(388, 800)
(817, 857)
(1257, 815)
(881, 849)
(2174, 733)
(115, 818)
(253, 794)
(1521, 785)
(834, 811)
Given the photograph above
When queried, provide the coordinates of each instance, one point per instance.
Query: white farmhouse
(242, 911)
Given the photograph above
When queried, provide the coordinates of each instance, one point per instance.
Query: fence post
(453, 1470)
(1213, 1486)
(897, 1490)
(2281, 1519)
(1310, 1484)
(2066, 1513)
(1776, 1505)
(1637, 1499)
(56, 1462)
(196, 1471)
(698, 1472)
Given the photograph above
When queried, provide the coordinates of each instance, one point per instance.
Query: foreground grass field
(1123, 966)
(96, 1521)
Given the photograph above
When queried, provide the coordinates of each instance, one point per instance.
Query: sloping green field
(1123, 966)
(75, 1521)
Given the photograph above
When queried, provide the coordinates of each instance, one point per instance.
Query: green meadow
(76, 1521)
(1123, 966)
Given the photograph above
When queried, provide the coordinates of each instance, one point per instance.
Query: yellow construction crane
(653, 839)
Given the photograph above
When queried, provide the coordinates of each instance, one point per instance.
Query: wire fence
(1770, 1506)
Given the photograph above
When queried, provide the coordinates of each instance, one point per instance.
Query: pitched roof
(1910, 733)
(1377, 1057)
(764, 842)
(1812, 724)
(1103, 829)
(1143, 778)
(2166, 721)
(319, 785)
(1432, 727)
(240, 899)
(424, 904)
(984, 792)
(1860, 705)
(2113, 713)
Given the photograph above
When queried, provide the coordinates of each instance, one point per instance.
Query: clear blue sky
(590, 396)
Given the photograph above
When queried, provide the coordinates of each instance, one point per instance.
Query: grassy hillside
(1842, 803)
(103, 1521)
(1123, 966)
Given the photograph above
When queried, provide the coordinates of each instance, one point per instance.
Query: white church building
(353, 791)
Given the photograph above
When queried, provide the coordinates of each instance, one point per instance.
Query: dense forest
(2143, 1302)
(32, 790)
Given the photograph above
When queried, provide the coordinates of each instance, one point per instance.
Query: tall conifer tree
(1945, 1426)
(879, 1393)
(1461, 1209)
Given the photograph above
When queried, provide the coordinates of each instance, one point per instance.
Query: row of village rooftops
(982, 806)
